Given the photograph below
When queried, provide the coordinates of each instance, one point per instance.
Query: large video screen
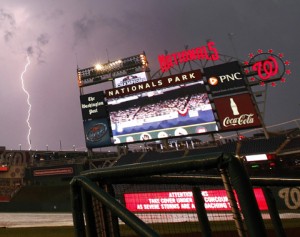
(170, 112)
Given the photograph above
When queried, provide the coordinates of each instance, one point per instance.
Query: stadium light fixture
(103, 72)
(98, 67)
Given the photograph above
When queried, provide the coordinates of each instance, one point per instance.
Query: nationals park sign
(156, 84)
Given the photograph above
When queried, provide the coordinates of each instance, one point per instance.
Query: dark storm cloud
(29, 51)
(87, 26)
(7, 21)
(37, 49)
(7, 17)
(83, 27)
(91, 29)
(8, 35)
(43, 39)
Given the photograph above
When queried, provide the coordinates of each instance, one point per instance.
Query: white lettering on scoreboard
(215, 200)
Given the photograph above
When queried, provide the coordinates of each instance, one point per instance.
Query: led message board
(225, 79)
(93, 105)
(236, 112)
(171, 112)
(214, 200)
(130, 79)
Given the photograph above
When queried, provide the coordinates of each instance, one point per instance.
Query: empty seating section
(156, 156)
(7, 192)
(130, 158)
(294, 143)
(257, 146)
(248, 146)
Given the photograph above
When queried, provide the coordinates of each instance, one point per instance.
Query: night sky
(58, 36)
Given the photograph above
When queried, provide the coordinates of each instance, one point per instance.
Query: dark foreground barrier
(101, 206)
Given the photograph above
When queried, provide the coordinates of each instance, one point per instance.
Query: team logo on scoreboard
(96, 132)
(266, 67)
(207, 52)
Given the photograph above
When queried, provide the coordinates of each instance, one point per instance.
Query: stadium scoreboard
(138, 109)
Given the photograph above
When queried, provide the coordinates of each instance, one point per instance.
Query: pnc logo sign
(231, 77)
(225, 78)
(213, 81)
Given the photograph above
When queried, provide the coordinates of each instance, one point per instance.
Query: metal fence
(101, 207)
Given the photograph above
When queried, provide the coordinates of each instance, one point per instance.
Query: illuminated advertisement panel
(225, 79)
(54, 171)
(4, 168)
(237, 112)
(257, 157)
(172, 112)
(130, 79)
(97, 133)
(206, 52)
(93, 105)
(214, 200)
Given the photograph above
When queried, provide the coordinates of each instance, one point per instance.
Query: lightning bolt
(28, 101)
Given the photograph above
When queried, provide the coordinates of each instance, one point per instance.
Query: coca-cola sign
(241, 120)
(236, 112)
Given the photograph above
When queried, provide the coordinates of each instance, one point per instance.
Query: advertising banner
(53, 171)
(237, 112)
(130, 79)
(93, 106)
(225, 79)
(97, 133)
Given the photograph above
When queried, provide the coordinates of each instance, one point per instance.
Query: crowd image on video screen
(170, 112)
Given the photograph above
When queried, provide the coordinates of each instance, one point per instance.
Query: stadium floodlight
(112, 69)
(143, 59)
(98, 67)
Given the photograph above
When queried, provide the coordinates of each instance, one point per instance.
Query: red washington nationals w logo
(266, 67)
